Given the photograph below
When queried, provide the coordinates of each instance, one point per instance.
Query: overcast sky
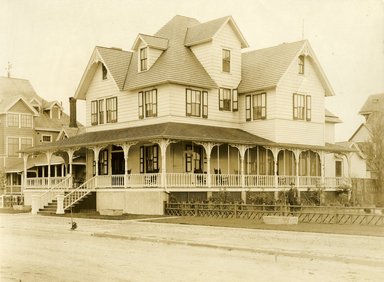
(50, 42)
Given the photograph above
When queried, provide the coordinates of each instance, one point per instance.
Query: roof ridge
(275, 46)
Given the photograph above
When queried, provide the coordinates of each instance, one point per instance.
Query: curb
(270, 252)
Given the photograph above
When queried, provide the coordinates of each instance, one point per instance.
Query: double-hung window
(111, 106)
(298, 106)
(259, 106)
(148, 103)
(225, 99)
(94, 112)
(302, 107)
(301, 64)
(13, 120)
(26, 121)
(143, 59)
(196, 103)
(226, 64)
(13, 146)
(256, 106)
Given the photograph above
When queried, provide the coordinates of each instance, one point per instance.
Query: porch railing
(43, 182)
(51, 194)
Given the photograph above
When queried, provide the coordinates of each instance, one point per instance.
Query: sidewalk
(367, 250)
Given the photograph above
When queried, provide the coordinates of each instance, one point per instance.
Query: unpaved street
(37, 248)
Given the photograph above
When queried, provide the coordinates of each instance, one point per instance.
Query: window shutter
(142, 159)
(235, 100)
(308, 108)
(248, 107)
(154, 97)
(221, 99)
(205, 104)
(188, 102)
(141, 107)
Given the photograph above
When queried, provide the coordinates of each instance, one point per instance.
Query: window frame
(13, 122)
(196, 102)
(13, 145)
(226, 60)
(94, 112)
(104, 72)
(235, 100)
(259, 111)
(301, 62)
(225, 102)
(101, 111)
(144, 105)
(143, 58)
(111, 112)
(46, 135)
(308, 107)
(248, 106)
(26, 117)
(298, 108)
(338, 170)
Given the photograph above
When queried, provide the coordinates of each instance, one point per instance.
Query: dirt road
(37, 248)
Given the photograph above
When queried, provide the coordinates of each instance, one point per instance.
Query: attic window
(143, 59)
(301, 64)
(104, 69)
(226, 60)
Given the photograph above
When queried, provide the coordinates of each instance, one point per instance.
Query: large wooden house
(188, 114)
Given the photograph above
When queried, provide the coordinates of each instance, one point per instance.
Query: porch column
(208, 146)
(126, 147)
(322, 168)
(163, 144)
(242, 150)
(70, 153)
(296, 153)
(49, 158)
(24, 177)
(96, 150)
(275, 153)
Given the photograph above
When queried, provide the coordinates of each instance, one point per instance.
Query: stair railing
(80, 192)
(50, 195)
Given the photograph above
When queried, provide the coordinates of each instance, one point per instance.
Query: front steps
(84, 203)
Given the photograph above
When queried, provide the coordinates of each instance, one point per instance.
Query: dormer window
(143, 58)
(105, 72)
(226, 60)
(301, 64)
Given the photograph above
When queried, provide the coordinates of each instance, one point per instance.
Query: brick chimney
(72, 112)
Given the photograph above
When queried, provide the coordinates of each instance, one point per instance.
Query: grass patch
(12, 211)
(96, 215)
(348, 229)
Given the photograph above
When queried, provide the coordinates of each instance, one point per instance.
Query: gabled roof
(176, 65)
(7, 103)
(264, 68)
(374, 103)
(332, 118)
(151, 41)
(114, 59)
(205, 32)
(49, 105)
(44, 122)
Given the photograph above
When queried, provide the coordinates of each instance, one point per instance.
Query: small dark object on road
(74, 225)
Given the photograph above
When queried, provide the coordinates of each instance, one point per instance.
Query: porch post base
(35, 204)
(60, 204)
(244, 196)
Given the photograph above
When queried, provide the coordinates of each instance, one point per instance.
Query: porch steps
(52, 207)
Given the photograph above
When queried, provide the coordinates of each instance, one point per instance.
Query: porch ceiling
(172, 131)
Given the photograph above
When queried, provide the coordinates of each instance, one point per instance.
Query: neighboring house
(27, 120)
(374, 104)
(187, 114)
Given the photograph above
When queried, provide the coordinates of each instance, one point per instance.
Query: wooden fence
(306, 214)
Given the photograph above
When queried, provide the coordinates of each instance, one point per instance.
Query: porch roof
(172, 131)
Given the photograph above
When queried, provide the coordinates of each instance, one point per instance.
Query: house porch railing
(198, 180)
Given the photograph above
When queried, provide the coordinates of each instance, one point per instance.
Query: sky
(49, 42)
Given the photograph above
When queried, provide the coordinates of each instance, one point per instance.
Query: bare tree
(3, 182)
(374, 148)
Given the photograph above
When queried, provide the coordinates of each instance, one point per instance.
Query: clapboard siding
(20, 107)
(210, 56)
(101, 89)
(329, 132)
(293, 131)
